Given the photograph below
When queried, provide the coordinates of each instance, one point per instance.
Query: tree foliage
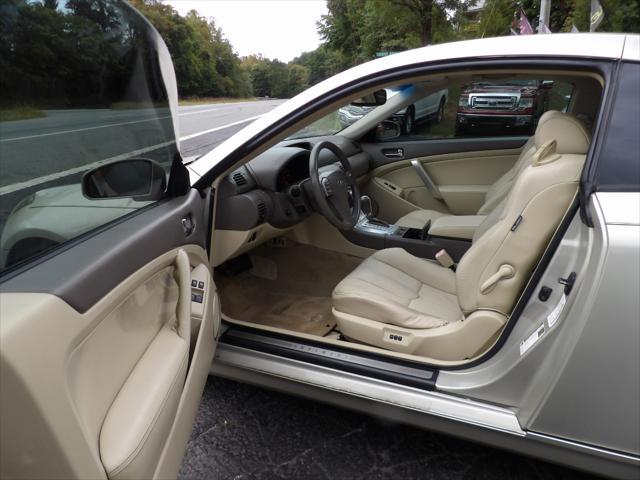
(204, 60)
(55, 36)
(81, 55)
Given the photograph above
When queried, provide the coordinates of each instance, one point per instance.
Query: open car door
(108, 310)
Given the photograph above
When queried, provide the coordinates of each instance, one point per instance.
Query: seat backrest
(499, 190)
(514, 236)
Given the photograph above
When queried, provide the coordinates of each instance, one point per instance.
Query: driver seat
(407, 304)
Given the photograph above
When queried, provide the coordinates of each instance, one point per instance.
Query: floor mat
(293, 293)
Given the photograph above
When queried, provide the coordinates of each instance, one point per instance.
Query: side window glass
(82, 87)
(509, 107)
(618, 165)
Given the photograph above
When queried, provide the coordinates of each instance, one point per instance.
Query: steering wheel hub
(335, 188)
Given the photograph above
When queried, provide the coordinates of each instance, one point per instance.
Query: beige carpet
(290, 287)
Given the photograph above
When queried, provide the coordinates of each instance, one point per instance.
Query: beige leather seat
(403, 303)
(496, 193)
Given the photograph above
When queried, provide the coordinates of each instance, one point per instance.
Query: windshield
(328, 125)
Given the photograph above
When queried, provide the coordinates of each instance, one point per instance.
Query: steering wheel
(335, 189)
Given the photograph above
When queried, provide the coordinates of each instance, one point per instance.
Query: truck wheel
(409, 120)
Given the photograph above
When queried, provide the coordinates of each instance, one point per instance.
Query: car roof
(571, 45)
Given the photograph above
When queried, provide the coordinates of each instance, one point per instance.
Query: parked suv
(431, 106)
(513, 105)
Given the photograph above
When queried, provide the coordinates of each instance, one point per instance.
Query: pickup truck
(510, 106)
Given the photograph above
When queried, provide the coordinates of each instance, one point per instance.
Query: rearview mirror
(377, 98)
(546, 84)
(137, 178)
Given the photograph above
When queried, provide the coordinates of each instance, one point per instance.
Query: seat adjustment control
(505, 271)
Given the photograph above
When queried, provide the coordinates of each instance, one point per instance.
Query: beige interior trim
(423, 359)
(464, 339)
(392, 205)
(510, 153)
(173, 452)
(456, 226)
(61, 398)
(318, 232)
(228, 244)
(462, 178)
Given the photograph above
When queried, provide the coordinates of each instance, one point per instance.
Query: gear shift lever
(366, 206)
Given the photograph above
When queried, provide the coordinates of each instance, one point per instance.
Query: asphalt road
(38, 149)
(245, 432)
(57, 149)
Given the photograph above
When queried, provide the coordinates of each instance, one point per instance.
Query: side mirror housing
(375, 99)
(137, 178)
(388, 130)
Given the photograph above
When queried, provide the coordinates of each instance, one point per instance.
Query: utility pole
(545, 9)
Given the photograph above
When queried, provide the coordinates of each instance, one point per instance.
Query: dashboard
(275, 188)
(293, 172)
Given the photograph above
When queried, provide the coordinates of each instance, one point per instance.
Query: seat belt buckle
(444, 259)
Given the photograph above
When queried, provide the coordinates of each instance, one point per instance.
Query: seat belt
(445, 259)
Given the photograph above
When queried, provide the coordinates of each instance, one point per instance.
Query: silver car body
(564, 385)
(573, 395)
(422, 108)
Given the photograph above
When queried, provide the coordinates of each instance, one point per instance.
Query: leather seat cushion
(418, 218)
(394, 287)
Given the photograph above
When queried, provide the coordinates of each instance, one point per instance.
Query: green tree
(298, 79)
(496, 18)
(432, 12)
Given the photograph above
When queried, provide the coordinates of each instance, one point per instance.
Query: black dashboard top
(271, 187)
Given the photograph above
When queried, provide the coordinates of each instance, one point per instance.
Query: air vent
(262, 211)
(239, 179)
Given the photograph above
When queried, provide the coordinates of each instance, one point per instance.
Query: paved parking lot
(244, 432)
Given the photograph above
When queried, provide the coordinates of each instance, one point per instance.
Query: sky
(281, 29)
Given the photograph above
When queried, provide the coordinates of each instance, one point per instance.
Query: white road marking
(54, 176)
(108, 125)
(196, 112)
(188, 137)
(62, 132)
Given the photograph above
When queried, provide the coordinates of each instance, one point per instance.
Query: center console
(376, 234)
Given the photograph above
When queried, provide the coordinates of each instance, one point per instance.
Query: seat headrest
(570, 133)
(547, 115)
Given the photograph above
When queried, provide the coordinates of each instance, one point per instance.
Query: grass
(20, 113)
(208, 100)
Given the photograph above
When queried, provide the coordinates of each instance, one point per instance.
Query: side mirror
(546, 84)
(136, 178)
(388, 130)
(375, 99)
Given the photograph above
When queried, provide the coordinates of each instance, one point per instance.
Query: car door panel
(462, 180)
(114, 387)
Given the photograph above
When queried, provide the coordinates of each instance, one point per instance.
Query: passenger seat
(496, 193)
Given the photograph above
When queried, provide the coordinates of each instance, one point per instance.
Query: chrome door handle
(393, 152)
(426, 179)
